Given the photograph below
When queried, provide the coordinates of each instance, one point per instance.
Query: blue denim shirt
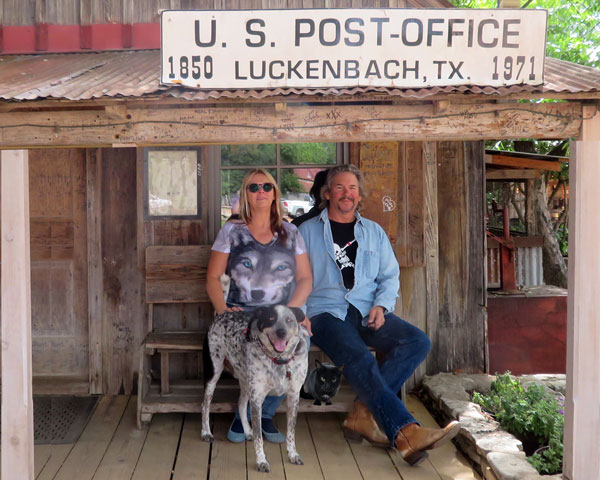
(376, 271)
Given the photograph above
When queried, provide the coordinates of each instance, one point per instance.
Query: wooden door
(59, 303)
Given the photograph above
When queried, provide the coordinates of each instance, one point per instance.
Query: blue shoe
(270, 431)
(236, 433)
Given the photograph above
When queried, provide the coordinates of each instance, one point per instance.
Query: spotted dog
(268, 352)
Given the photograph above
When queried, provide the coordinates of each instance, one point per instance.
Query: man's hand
(376, 318)
(306, 324)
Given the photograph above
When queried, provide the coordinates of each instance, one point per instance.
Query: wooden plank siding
(458, 334)
(123, 311)
(86, 12)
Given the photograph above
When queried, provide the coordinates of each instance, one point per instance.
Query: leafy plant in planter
(533, 415)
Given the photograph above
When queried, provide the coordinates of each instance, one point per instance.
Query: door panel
(58, 263)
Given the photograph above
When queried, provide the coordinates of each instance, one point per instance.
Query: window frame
(214, 164)
(199, 172)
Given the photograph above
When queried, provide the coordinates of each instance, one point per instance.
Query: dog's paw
(263, 467)
(296, 460)
(207, 437)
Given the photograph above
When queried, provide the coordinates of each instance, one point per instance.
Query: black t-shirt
(345, 246)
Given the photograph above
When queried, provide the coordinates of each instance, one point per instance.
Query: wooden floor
(111, 447)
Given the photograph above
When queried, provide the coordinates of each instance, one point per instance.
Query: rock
(510, 466)
(498, 453)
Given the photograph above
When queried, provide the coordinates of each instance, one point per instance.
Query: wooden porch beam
(582, 420)
(512, 174)
(264, 124)
(17, 396)
(508, 161)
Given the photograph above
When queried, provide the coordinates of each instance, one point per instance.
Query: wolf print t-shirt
(260, 274)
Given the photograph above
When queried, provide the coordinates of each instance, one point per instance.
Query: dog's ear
(317, 363)
(298, 313)
(264, 317)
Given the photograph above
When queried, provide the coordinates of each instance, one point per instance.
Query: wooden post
(582, 422)
(17, 398)
(94, 248)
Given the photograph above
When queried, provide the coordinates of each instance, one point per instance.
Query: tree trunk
(555, 268)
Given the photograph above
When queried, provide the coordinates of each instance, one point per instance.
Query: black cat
(322, 383)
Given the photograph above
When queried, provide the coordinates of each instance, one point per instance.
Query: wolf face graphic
(260, 274)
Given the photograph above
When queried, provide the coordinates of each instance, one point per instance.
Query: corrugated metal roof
(83, 76)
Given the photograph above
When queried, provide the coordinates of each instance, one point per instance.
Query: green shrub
(528, 414)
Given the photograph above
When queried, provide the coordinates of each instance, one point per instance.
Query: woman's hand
(306, 324)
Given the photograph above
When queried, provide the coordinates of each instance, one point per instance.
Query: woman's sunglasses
(255, 187)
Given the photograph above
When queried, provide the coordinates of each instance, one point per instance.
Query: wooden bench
(175, 275)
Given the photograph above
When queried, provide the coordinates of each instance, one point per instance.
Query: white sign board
(255, 49)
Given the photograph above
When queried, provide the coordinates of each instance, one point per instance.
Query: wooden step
(190, 341)
(188, 398)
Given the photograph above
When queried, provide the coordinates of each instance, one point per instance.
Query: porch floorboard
(170, 448)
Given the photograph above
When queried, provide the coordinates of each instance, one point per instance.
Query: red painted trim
(146, 35)
(77, 38)
(19, 39)
(127, 35)
(41, 36)
(85, 37)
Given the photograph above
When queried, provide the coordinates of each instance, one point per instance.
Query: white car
(295, 208)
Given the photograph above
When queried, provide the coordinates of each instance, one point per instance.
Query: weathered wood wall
(123, 311)
(68, 12)
(437, 235)
(459, 334)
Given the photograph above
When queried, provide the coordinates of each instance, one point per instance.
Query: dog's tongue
(279, 345)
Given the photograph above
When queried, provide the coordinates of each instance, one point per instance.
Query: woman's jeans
(269, 407)
(402, 346)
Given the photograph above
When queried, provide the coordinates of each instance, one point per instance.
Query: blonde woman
(266, 260)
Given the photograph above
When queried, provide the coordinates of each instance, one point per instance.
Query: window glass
(172, 182)
(262, 154)
(295, 190)
(293, 166)
(306, 153)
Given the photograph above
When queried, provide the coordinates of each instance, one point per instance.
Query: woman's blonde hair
(276, 210)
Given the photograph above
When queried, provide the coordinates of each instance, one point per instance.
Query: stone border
(497, 454)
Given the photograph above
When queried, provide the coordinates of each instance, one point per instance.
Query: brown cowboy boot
(413, 440)
(360, 424)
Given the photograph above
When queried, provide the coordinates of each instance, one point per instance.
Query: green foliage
(307, 153)
(248, 155)
(290, 183)
(573, 34)
(528, 414)
(562, 235)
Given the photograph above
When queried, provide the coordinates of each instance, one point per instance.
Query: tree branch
(563, 217)
(518, 209)
(555, 191)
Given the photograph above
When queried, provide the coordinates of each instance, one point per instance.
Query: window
(293, 166)
(172, 183)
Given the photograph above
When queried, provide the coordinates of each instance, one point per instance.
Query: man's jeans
(402, 346)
